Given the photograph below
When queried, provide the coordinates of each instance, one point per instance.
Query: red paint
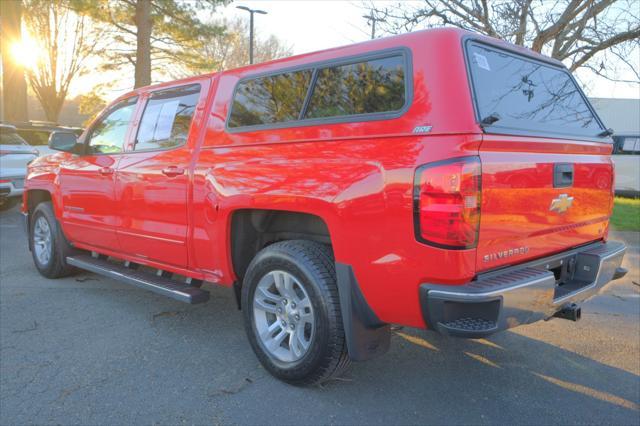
(172, 209)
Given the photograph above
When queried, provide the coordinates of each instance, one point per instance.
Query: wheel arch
(251, 230)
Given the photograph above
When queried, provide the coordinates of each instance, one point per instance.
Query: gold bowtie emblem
(561, 204)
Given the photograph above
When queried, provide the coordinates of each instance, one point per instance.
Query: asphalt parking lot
(88, 350)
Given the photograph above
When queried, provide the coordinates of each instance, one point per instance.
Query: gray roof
(622, 115)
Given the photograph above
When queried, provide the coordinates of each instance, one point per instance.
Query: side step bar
(158, 284)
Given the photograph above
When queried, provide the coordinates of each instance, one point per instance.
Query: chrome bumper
(521, 294)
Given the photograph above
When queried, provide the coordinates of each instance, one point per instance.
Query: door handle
(172, 171)
(106, 171)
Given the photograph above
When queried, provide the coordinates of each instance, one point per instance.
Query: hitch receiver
(570, 311)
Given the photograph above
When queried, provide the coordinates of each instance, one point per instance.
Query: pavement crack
(231, 390)
(33, 327)
(166, 314)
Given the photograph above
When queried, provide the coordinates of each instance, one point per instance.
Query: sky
(313, 25)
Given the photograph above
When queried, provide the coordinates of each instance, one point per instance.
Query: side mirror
(64, 141)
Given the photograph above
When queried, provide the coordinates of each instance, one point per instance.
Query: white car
(626, 156)
(15, 154)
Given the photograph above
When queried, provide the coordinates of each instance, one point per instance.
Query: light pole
(251, 12)
(371, 20)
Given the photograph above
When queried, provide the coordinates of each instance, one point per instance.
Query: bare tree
(232, 49)
(66, 40)
(14, 86)
(597, 34)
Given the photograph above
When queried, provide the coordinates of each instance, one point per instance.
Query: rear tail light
(613, 187)
(447, 203)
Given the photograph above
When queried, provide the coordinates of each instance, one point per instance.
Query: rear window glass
(527, 94)
(360, 88)
(267, 100)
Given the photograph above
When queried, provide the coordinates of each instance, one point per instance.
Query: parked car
(37, 133)
(342, 191)
(626, 156)
(15, 154)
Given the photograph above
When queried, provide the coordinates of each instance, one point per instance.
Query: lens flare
(26, 53)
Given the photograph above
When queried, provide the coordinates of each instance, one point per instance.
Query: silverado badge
(561, 204)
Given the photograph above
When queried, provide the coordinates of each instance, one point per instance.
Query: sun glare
(26, 53)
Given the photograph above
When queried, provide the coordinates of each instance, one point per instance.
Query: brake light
(613, 187)
(5, 180)
(447, 203)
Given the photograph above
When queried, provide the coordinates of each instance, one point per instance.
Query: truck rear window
(527, 95)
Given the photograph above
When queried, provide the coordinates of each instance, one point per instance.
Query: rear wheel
(292, 312)
(49, 247)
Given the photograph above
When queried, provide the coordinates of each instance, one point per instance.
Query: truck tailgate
(541, 196)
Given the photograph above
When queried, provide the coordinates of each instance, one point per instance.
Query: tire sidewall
(44, 211)
(264, 263)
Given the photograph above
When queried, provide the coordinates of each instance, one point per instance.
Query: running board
(158, 284)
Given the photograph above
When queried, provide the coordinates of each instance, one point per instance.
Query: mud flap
(367, 337)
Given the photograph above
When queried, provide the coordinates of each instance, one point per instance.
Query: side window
(108, 135)
(268, 100)
(629, 145)
(362, 88)
(167, 117)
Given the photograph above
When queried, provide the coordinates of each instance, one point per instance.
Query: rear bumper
(521, 294)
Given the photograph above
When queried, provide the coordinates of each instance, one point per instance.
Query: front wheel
(292, 312)
(49, 247)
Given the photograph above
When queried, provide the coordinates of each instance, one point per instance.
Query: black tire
(56, 266)
(312, 264)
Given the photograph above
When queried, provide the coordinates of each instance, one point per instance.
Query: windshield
(515, 92)
(11, 138)
(35, 137)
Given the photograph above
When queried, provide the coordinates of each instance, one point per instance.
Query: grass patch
(626, 214)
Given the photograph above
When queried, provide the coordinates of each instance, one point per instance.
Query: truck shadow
(428, 378)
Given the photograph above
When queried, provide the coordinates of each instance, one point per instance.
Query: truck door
(87, 181)
(153, 178)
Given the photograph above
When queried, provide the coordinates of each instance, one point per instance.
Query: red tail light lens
(447, 203)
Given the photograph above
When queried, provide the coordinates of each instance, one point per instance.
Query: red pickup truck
(439, 179)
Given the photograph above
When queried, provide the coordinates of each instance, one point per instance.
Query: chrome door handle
(106, 171)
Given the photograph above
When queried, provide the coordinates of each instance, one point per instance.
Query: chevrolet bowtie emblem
(561, 204)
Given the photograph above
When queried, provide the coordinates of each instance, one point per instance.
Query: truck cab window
(109, 133)
(166, 119)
